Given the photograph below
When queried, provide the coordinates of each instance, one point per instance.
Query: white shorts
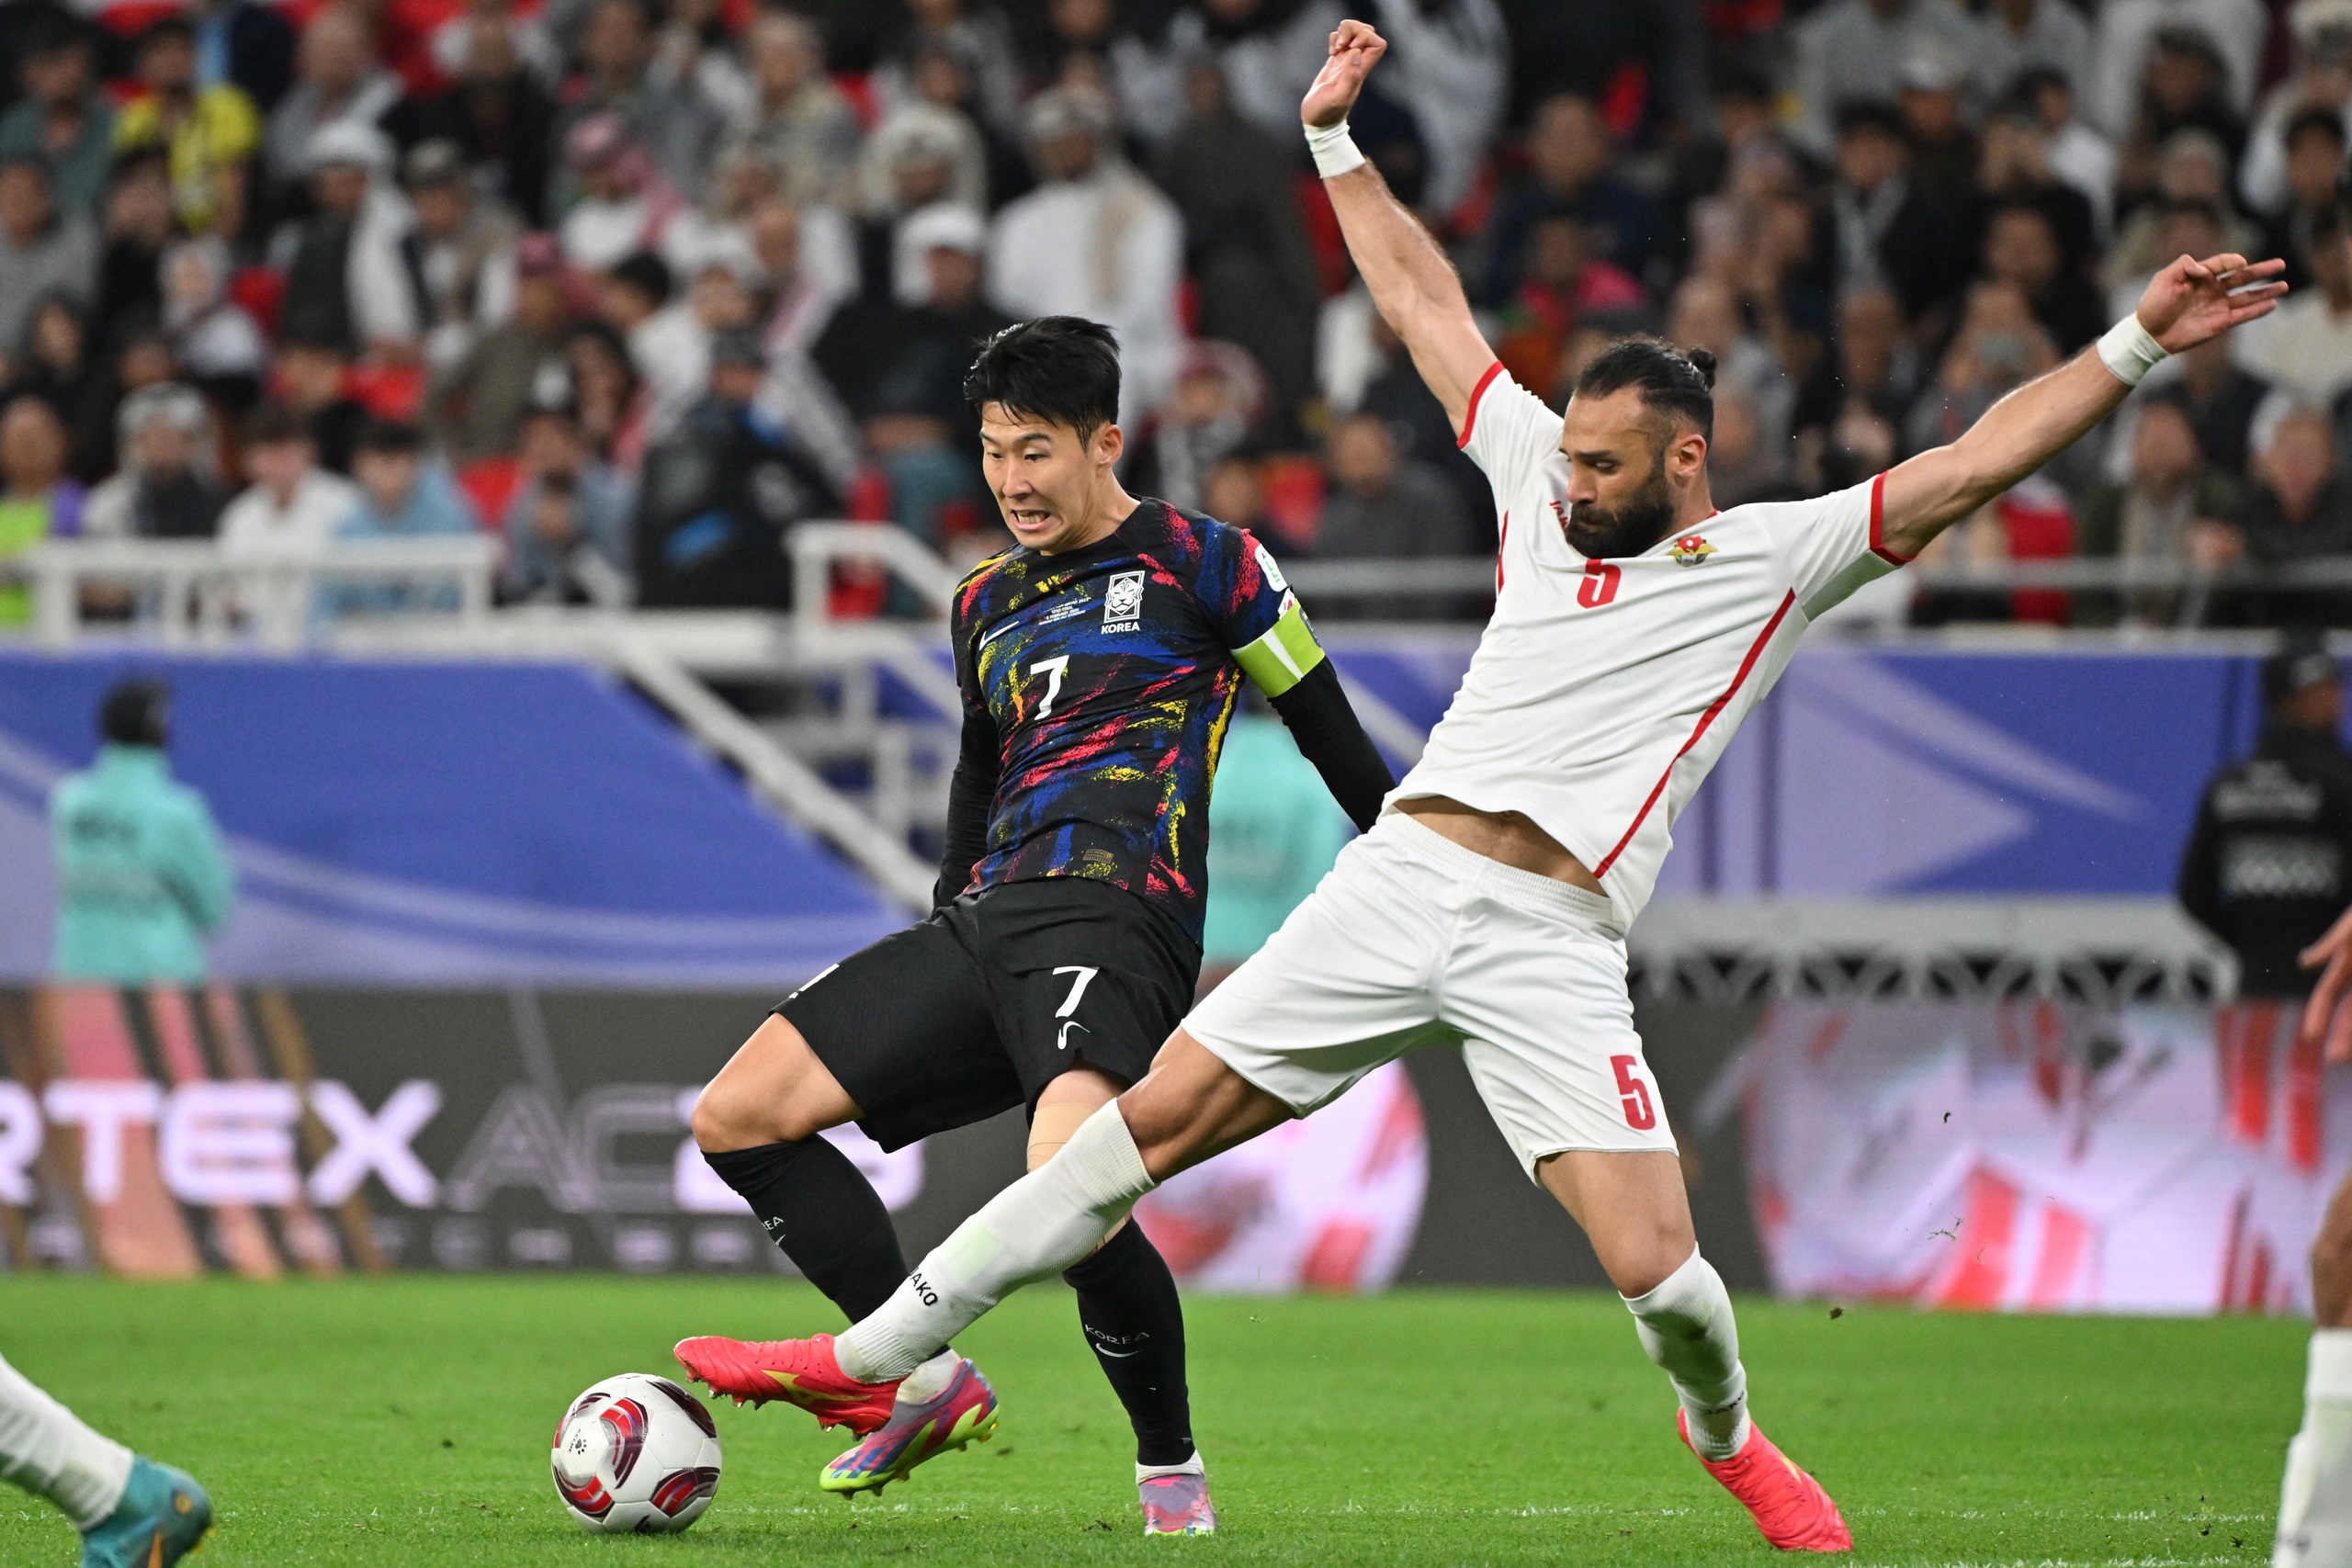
(1413, 941)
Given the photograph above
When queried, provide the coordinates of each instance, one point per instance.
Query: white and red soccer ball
(635, 1454)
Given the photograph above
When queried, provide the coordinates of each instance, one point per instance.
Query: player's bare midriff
(1510, 837)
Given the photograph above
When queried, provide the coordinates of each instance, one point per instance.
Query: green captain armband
(1281, 659)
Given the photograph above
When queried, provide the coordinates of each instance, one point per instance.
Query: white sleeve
(1833, 545)
(1508, 431)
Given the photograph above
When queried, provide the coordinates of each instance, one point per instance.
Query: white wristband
(2129, 350)
(1335, 151)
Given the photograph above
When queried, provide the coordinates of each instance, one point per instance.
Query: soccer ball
(636, 1454)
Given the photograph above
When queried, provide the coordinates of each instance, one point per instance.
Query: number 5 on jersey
(1052, 668)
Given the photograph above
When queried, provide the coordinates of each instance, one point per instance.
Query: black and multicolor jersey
(1107, 676)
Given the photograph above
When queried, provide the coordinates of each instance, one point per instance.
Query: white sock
(1686, 1326)
(1190, 1467)
(2315, 1503)
(1038, 1227)
(45, 1449)
(930, 1379)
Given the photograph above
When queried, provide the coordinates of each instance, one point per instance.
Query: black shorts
(978, 1008)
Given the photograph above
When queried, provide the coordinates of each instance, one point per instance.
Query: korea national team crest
(1692, 550)
(1124, 605)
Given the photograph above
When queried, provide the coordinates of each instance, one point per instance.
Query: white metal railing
(197, 591)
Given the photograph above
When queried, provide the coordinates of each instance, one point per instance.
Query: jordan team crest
(1692, 550)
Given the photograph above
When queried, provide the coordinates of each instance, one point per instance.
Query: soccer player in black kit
(1099, 662)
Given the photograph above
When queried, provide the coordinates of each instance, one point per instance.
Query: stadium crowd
(639, 283)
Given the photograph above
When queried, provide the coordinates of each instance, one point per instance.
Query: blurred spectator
(217, 342)
(1384, 506)
(1568, 158)
(801, 302)
(2221, 399)
(2076, 154)
(56, 364)
(1943, 148)
(2153, 237)
(1234, 493)
(1450, 61)
(923, 155)
(973, 33)
(1270, 50)
(1707, 314)
(2321, 86)
(611, 400)
(677, 129)
(338, 81)
(64, 119)
(567, 527)
(313, 381)
(1848, 416)
(209, 131)
(292, 506)
(1218, 407)
(245, 44)
(2014, 168)
(2300, 511)
(2175, 508)
(463, 251)
(942, 81)
(404, 494)
(800, 119)
(2313, 146)
(1419, 427)
(499, 114)
(348, 282)
(1888, 235)
(1274, 835)
(2304, 347)
(899, 368)
(2133, 33)
(42, 251)
(623, 208)
(2187, 88)
(2192, 170)
(1999, 346)
(140, 222)
(1852, 52)
(523, 41)
(720, 495)
(1246, 248)
(2018, 36)
(2021, 250)
(695, 53)
(38, 501)
(1096, 240)
(1561, 287)
(142, 878)
(475, 406)
(671, 347)
(167, 489)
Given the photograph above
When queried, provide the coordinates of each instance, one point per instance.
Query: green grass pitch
(407, 1421)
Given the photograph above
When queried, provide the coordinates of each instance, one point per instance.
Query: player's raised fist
(2192, 301)
(1355, 49)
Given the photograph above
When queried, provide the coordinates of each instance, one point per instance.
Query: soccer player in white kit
(1634, 627)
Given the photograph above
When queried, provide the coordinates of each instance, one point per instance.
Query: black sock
(826, 1217)
(1127, 1303)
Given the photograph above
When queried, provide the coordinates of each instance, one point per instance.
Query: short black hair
(1678, 383)
(271, 424)
(136, 711)
(168, 29)
(395, 436)
(646, 272)
(1059, 370)
(2315, 117)
(1869, 114)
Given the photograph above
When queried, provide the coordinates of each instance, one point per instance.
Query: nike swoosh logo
(1063, 1043)
(999, 631)
(1116, 1355)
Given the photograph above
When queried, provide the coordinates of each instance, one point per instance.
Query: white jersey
(1603, 690)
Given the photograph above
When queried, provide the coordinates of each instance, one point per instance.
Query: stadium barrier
(2034, 1154)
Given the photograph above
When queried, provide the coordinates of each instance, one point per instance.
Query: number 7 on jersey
(1052, 670)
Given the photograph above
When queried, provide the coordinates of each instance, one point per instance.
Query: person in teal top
(142, 876)
(1273, 832)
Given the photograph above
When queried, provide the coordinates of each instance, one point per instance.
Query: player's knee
(716, 1126)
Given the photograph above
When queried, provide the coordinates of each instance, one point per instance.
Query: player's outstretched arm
(1413, 284)
(2185, 304)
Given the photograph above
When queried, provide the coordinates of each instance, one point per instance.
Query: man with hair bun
(1634, 627)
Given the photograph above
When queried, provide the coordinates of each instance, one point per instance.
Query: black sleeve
(1330, 736)
(2199, 888)
(970, 793)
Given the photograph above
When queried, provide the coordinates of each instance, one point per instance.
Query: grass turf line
(406, 1421)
